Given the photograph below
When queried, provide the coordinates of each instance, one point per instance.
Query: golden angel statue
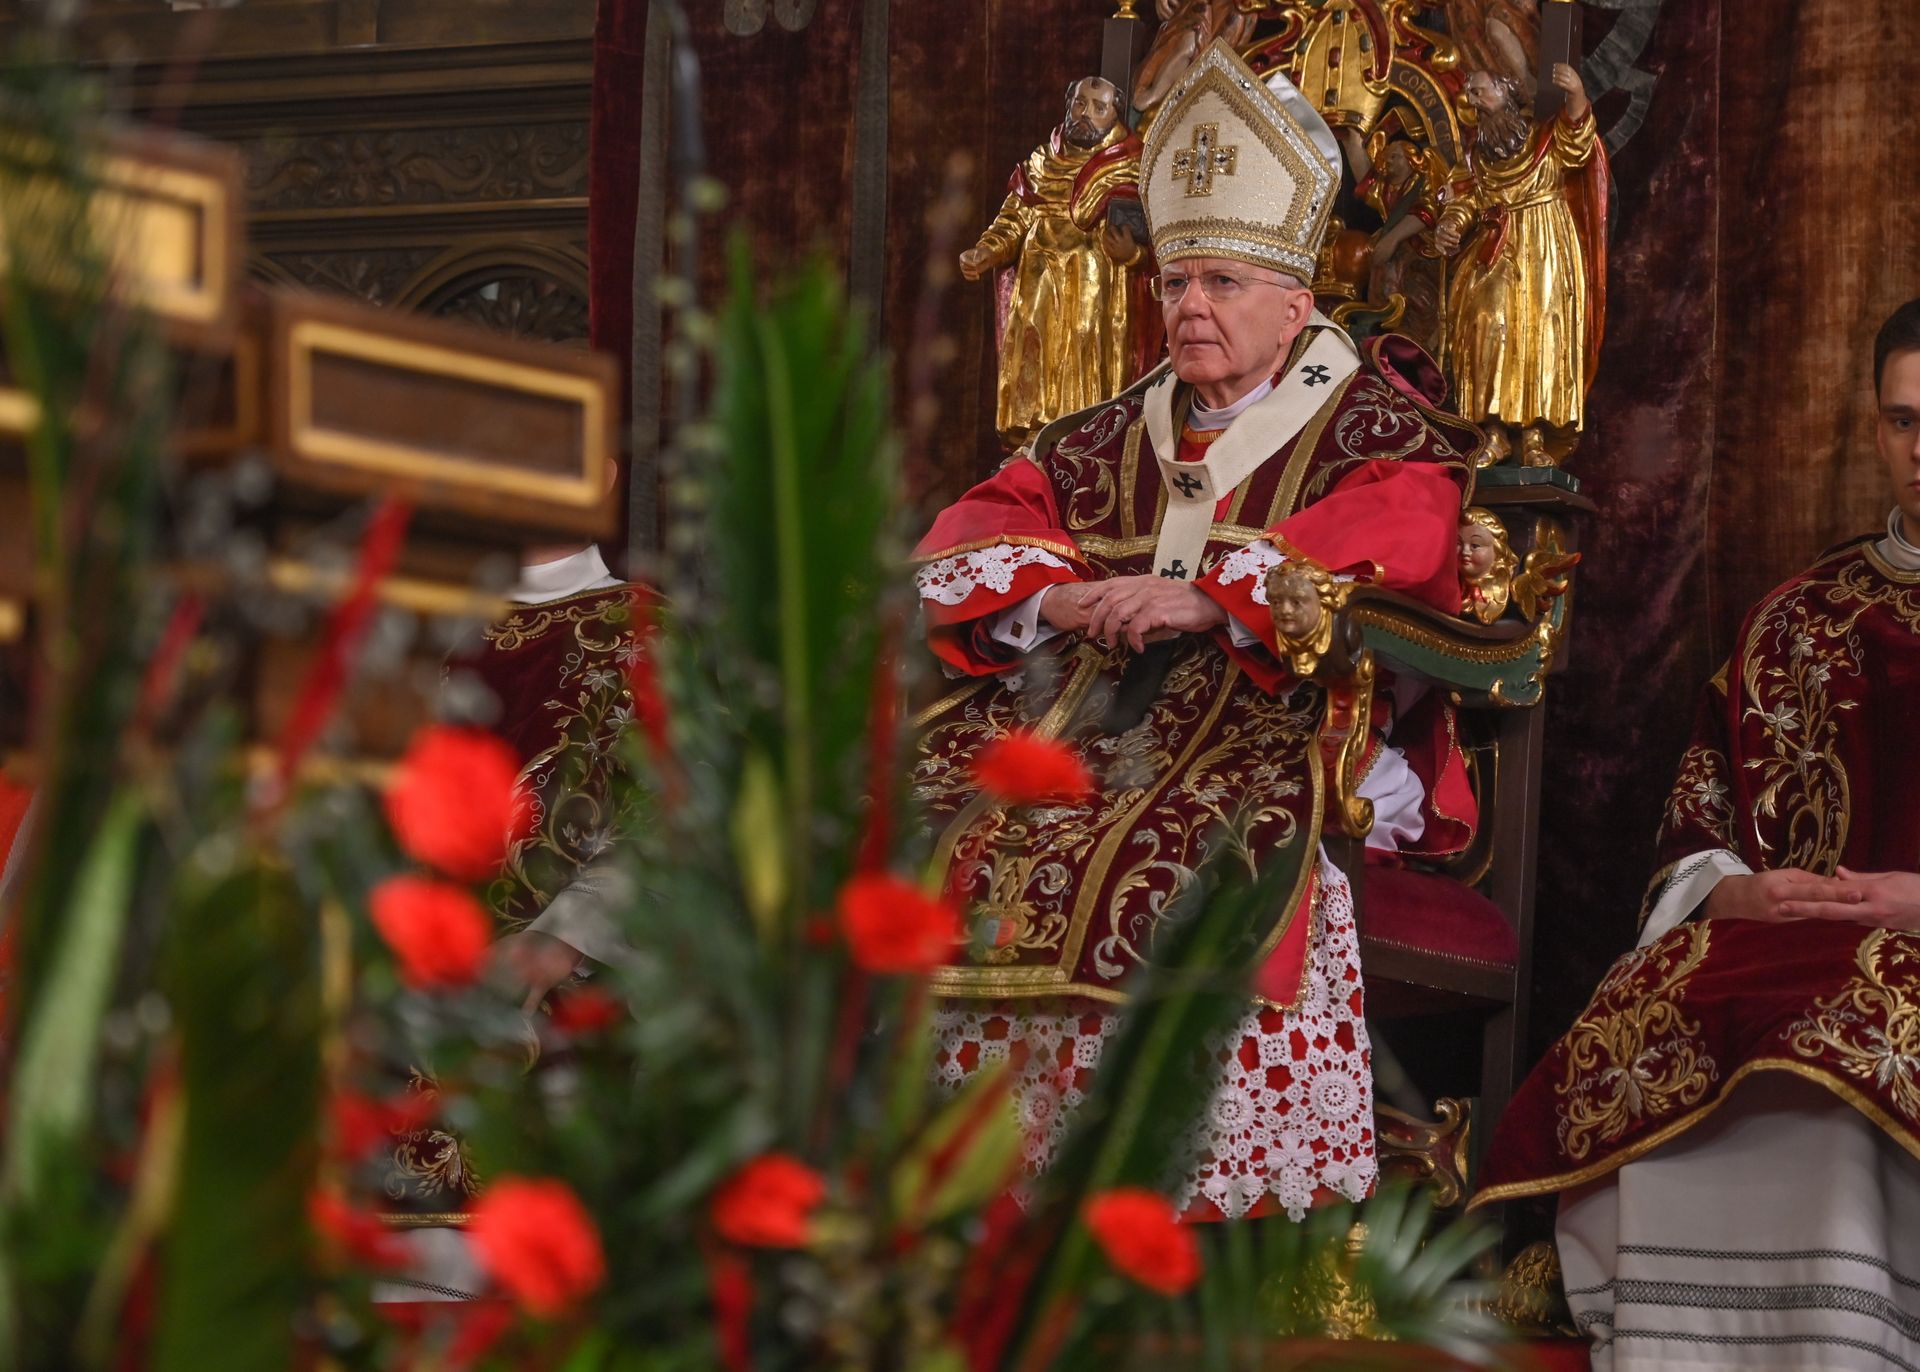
(1071, 264)
(1525, 215)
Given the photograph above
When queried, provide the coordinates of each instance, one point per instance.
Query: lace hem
(1293, 1110)
(952, 579)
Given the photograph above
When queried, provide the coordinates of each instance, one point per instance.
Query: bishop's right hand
(975, 262)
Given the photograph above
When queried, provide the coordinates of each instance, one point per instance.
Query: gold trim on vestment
(1096, 546)
(1898, 1130)
(927, 714)
(447, 1219)
(1886, 568)
(1130, 474)
(1052, 545)
(1305, 444)
(528, 622)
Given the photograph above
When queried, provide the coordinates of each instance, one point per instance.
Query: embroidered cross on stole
(1195, 488)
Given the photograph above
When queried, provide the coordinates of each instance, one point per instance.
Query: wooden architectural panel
(449, 417)
(424, 154)
(164, 214)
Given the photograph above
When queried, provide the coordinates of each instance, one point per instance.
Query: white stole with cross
(1195, 488)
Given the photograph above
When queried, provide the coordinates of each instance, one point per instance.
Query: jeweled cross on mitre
(1198, 163)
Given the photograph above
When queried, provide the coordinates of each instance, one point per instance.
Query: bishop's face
(1898, 435)
(1230, 329)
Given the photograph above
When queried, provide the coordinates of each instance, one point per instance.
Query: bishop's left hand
(1881, 900)
(1143, 609)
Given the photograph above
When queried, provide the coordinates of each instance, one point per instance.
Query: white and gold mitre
(1240, 167)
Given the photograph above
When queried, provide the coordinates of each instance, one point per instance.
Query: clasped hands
(1137, 609)
(1880, 900)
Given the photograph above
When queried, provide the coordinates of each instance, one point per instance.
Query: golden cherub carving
(1486, 565)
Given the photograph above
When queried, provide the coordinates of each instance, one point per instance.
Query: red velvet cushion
(1435, 914)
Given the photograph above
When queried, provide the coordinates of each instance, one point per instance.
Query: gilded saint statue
(1071, 267)
(1525, 220)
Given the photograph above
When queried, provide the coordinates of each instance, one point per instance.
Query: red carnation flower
(1025, 769)
(438, 932)
(455, 802)
(893, 926)
(357, 1234)
(1143, 1238)
(769, 1203)
(585, 1010)
(538, 1242)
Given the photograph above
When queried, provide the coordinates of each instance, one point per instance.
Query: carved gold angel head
(1486, 565)
(1302, 598)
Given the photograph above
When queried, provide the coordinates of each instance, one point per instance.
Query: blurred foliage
(197, 973)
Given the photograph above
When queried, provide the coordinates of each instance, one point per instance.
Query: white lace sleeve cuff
(950, 580)
(1020, 626)
(1255, 560)
(1687, 889)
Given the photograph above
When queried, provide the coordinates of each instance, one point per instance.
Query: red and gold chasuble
(560, 671)
(1063, 900)
(1803, 755)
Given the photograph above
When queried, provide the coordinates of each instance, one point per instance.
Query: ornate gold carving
(1432, 1152)
(1349, 1311)
(1545, 576)
(1303, 598)
(1532, 1297)
(1632, 1057)
(1487, 564)
(1872, 1025)
(1344, 730)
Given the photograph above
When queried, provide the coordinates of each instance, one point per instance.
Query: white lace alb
(951, 580)
(1293, 1111)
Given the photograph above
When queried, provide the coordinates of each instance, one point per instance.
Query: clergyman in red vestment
(553, 680)
(1107, 586)
(1733, 1123)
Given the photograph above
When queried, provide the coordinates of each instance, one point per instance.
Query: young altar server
(1733, 1123)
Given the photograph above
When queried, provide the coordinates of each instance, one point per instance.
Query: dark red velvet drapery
(1767, 216)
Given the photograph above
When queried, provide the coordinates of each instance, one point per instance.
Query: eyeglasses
(1219, 287)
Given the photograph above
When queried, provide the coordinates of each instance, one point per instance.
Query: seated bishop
(1732, 1125)
(1108, 587)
